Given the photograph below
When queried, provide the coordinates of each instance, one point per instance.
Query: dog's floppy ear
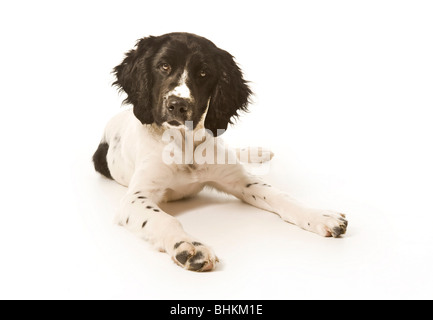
(230, 95)
(135, 79)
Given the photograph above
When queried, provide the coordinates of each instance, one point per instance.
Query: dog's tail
(100, 160)
(254, 155)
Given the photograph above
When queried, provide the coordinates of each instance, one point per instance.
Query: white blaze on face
(182, 90)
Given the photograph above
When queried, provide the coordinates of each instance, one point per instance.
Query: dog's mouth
(174, 123)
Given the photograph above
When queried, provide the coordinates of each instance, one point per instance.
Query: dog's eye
(202, 73)
(165, 67)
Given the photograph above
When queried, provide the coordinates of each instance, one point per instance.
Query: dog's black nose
(177, 107)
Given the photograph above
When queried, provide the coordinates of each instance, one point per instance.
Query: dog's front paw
(194, 256)
(328, 224)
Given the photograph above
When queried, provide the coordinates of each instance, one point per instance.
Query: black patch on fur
(178, 244)
(182, 257)
(156, 210)
(141, 197)
(135, 79)
(345, 222)
(230, 95)
(100, 160)
(144, 223)
(196, 266)
(137, 192)
(337, 231)
(196, 244)
(196, 257)
(127, 220)
(149, 207)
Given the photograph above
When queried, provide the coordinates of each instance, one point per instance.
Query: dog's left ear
(230, 95)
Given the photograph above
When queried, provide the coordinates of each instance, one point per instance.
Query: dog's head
(177, 77)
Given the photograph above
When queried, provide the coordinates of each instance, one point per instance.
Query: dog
(184, 84)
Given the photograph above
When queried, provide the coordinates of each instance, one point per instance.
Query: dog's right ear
(135, 79)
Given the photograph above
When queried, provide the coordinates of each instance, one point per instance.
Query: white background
(343, 97)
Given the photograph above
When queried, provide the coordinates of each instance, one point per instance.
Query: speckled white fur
(134, 160)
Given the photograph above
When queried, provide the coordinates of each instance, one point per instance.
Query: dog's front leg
(234, 180)
(139, 212)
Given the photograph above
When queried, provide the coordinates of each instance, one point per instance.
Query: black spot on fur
(144, 223)
(141, 197)
(156, 210)
(127, 220)
(137, 192)
(100, 160)
(254, 197)
(251, 184)
(149, 207)
(196, 244)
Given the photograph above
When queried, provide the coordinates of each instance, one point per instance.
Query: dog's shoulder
(119, 123)
(125, 134)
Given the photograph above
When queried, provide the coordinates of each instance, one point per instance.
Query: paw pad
(194, 256)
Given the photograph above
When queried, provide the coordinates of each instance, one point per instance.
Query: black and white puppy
(183, 83)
